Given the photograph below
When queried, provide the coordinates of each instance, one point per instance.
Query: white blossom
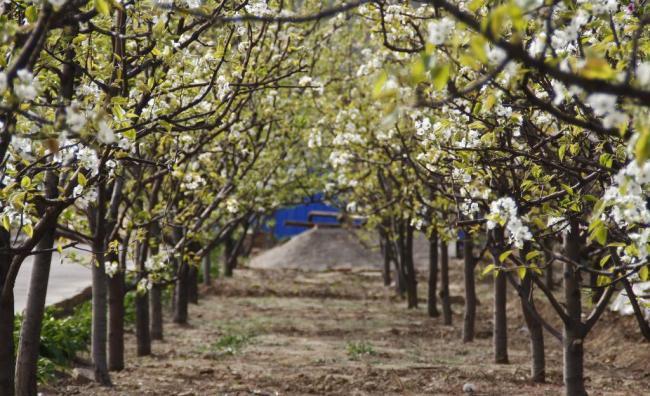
(105, 134)
(75, 119)
(304, 81)
(57, 4)
(223, 87)
(604, 105)
(3, 82)
(26, 86)
(504, 211)
(112, 269)
(144, 285)
(440, 30)
(232, 206)
(258, 8)
(642, 74)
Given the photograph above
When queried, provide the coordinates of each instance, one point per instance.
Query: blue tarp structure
(298, 213)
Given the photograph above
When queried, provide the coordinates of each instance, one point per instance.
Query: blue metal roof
(299, 213)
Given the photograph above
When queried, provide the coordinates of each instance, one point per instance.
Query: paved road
(66, 280)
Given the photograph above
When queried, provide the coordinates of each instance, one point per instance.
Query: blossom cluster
(503, 212)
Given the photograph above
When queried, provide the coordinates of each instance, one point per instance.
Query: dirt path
(268, 333)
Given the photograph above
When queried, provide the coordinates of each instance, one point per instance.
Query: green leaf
(642, 147)
(561, 152)
(644, 273)
(478, 48)
(598, 68)
(599, 234)
(504, 256)
(103, 7)
(567, 188)
(379, 84)
(533, 254)
(81, 179)
(418, 71)
(489, 268)
(536, 269)
(27, 228)
(602, 280)
(130, 134)
(604, 260)
(5, 222)
(31, 13)
(475, 5)
(440, 75)
(521, 271)
(25, 182)
(606, 160)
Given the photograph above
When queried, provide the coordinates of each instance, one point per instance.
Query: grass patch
(230, 344)
(359, 349)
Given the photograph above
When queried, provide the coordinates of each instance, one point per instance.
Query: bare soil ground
(343, 333)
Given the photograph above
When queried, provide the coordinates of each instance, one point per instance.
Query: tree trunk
(193, 285)
(444, 283)
(7, 362)
(206, 264)
(385, 249)
(396, 250)
(433, 276)
(116, 290)
(500, 325)
(400, 283)
(99, 326)
(116, 310)
(142, 335)
(470, 290)
(99, 317)
(500, 331)
(409, 268)
(573, 338)
(30, 332)
(228, 252)
(535, 330)
(156, 312)
(181, 295)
